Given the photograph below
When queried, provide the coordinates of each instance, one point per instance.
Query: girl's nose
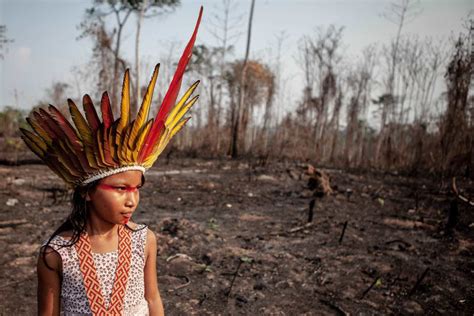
(132, 199)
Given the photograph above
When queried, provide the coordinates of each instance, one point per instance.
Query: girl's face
(116, 197)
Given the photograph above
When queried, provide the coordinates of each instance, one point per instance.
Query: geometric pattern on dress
(91, 281)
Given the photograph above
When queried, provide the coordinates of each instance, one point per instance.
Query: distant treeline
(417, 88)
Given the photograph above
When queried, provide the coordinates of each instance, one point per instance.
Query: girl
(101, 209)
(98, 262)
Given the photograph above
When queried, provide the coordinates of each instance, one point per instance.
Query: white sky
(45, 47)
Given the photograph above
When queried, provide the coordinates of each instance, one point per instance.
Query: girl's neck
(100, 228)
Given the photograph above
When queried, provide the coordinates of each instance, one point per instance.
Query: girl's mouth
(126, 218)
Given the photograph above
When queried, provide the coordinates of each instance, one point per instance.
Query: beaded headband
(96, 149)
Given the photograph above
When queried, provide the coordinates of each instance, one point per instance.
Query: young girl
(103, 210)
(98, 262)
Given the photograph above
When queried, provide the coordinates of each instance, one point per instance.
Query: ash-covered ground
(234, 239)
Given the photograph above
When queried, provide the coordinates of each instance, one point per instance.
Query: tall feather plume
(182, 107)
(61, 141)
(142, 114)
(124, 119)
(107, 115)
(170, 97)
(54, 164)
(125, 105)
(86, 134)
(37, 120)
(175, 116)
(106, 146)
(141, 138)
(94, 122)
(91, 113)
(91, 145)
(39, 130)
(55, 151)
(112, 135)
(39, 147)
(70, 134)
(34, 142)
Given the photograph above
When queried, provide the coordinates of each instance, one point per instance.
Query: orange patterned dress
(75, 299)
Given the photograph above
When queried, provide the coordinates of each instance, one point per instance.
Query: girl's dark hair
(77, 219)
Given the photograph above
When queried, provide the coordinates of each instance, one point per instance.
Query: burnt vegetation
(354, 197)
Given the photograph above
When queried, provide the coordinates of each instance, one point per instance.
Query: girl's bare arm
(152, 295)
(49, 283)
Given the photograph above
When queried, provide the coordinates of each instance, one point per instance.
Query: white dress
(73, 296)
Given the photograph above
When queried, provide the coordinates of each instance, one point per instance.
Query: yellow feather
(178, 127)
(105, 136)
(142, 115)
(181, 113)
(34, 147)
(91, 157)
(148, 162)
(125, 151)
(65, 162)
(64, 149)
(141, 139)
(181, 102)
(164, 140)
(80, 123)
(112, 147)
(159, 147)
(100, 148)
(127, 132)
(39, 130)
(125, 107)
(85, 133)
(53, 163)
(61, 172)
(38, 142)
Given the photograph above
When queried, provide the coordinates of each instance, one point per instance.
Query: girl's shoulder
(60, 239)
(135, 227)
(66, 235)
(143, 230)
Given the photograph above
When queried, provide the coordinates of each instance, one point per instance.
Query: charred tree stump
(453, 216)
(418, 282)
(310, 211)
(343, 232)
(233, 279)
(417, 197)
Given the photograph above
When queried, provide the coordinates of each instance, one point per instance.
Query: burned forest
(313, 178)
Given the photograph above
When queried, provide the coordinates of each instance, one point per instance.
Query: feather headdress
(92, 149)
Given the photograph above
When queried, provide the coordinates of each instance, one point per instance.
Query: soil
(234, 239)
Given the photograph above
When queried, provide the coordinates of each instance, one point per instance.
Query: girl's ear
(86, 195)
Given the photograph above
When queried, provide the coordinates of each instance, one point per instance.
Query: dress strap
(91, 281)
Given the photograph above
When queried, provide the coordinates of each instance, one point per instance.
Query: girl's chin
(125, 221)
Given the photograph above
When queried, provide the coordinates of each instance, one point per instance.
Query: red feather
(107, 115)
(91, 113)
(170, 97)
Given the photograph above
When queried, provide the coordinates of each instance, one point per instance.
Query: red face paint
(119, 188)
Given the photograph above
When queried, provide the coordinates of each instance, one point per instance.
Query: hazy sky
(46, 48)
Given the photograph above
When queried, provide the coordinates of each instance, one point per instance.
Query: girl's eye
(123, 189)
